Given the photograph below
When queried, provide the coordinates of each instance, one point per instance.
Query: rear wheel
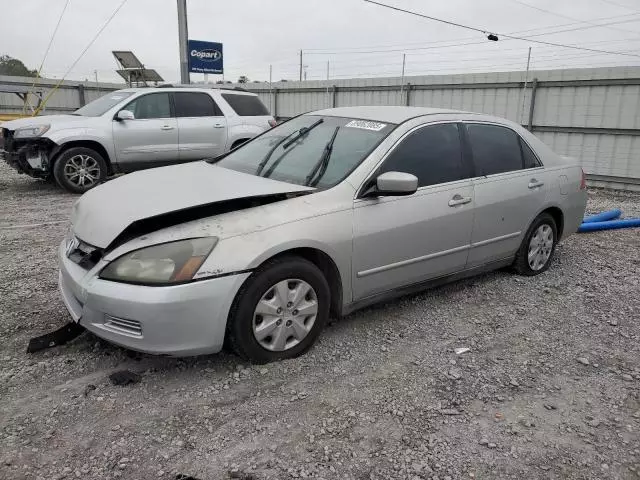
(79, 169)
(538, 246)
(280, 311)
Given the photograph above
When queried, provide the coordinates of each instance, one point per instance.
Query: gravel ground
(549, 389)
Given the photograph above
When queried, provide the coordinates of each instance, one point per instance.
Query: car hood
(56, 121)
(161, 197)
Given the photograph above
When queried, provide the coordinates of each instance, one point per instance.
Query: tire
(246, 324)
(89, 167)
(546, 233)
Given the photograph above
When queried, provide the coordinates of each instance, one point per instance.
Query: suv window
(528, 157)
(246, 105)
(194, 104)
(432, 153)
(495, 149)
(154, 105)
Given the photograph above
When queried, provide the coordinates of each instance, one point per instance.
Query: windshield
(308, 144)
(102, 104)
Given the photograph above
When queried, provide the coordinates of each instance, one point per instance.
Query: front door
(150, 139)
(510, 188)
(403, 240)
(202, 127)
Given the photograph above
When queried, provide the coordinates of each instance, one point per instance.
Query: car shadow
(226, 361)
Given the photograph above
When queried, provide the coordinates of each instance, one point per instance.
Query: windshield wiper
(322, 163)
(303, 131)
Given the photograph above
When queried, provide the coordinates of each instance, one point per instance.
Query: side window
(245, 105)
(432, 153)
(528, 157)
(495, 149)
(194, 104)
(154, 105)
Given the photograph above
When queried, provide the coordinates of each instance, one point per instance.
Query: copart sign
(205, 57)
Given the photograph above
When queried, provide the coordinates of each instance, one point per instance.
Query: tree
(243, 79)
(15, 68)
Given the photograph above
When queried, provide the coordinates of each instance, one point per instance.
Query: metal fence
(68, 97)
(590, 114)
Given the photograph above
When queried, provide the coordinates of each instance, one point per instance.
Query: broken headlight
(167, 263)
(31, 132)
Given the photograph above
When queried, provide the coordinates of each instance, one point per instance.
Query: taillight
(272, 122)
(583, 181)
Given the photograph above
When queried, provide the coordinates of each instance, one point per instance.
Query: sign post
(205, 57)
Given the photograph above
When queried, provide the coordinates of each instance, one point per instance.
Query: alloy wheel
(82, 170)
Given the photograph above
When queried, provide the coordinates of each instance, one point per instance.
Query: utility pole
(524, 89)
(183, 35)
(97, 84)
(404, 58)
(327, 94)
(300, 65)
(270, 89)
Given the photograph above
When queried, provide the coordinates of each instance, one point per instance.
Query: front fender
(79, 134)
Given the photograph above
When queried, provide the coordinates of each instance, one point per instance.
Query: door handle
(459, 200)
(218, 125)
(166, 127)
(533, 183)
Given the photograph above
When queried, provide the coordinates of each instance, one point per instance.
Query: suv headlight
(167, 263)
(30, 132)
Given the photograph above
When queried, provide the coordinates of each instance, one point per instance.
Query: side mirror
(394, 184)
(125, 115)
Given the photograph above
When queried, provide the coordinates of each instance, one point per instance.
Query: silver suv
(130, 130)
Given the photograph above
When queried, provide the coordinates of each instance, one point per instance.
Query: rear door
(510, 187)
(201, 125)
(151, 138)
(403, 240)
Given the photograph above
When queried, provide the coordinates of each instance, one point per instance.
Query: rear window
(246, 105)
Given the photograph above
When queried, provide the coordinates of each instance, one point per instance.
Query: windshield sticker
(375, 126)
(117, 97)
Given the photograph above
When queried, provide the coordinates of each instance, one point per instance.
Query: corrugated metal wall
(590, 114)
(66, 98)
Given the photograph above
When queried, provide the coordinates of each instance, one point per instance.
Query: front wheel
(538, 246)
(280, 311)
(79, 169)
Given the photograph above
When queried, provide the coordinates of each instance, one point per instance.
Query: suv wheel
(538, 246)
(280, 311)
(79, 169)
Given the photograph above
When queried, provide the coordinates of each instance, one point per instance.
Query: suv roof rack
(214, 87)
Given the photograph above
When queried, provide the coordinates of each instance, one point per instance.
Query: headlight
(174, 262)
(29, 132)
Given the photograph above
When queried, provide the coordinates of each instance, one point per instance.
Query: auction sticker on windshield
(366, 125)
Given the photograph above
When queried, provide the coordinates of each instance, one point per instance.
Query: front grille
(85, 255)
(121, 325)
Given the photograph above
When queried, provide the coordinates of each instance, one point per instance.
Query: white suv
(130, 130)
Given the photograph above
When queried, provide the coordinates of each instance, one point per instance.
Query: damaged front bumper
(31, 157)
(179, 320)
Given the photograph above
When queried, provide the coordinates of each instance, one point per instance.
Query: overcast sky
(356, 36)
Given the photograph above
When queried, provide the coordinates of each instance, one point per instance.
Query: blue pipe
(601, 217)
(609, 225)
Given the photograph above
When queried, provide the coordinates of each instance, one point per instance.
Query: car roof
(389, 114)
(188, 88)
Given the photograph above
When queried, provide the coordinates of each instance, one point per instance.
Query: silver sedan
(324, 214)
